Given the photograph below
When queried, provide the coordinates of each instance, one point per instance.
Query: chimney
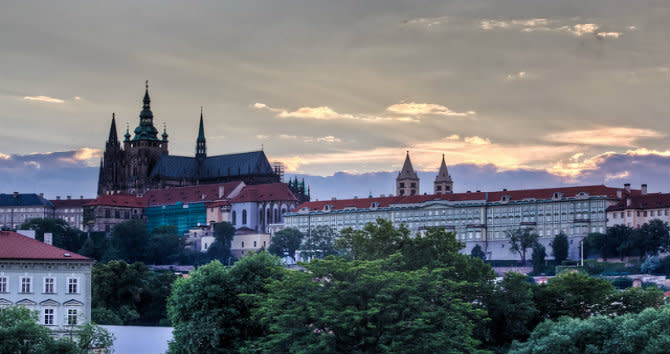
(618, 193)
(58, 197)
(81, 197)
(333, 198)
(626, 186)
(16, 194)
(41, 195)
(69, 197)
(220, 192)
(628, 201)
(48, 238)
(504, 189)
(355, 197)
(644, 189)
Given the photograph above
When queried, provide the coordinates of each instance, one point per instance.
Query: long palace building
(477, 218)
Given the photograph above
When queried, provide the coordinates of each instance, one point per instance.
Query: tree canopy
(559, 248)
(521, 240)
(286, 242)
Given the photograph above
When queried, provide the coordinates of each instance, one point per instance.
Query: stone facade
(16, 208)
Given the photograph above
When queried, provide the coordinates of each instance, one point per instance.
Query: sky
(513, 93)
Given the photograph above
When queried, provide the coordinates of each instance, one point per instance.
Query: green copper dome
(146, 129)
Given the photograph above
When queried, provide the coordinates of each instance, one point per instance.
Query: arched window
(234, 217)
(276, 215)
(269, 218)
(244, 216)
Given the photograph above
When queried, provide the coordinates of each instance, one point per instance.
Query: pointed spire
(165, 134)
(443, 174)
(127, 135)
(200, 145)
(146, 100)
(407, 169)
(113, 138)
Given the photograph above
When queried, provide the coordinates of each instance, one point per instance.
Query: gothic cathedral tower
(443, 181)
(111, 167)
(407, 182)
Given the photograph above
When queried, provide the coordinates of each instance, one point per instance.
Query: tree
(131, 240)
(559, 248)
(521, 240)
(364, 306)
(208, 311)
(21, 333)
(285, 242)
(375, 241)
(64, 236)
(223, 237)
(595, 243)
(539, 253)
(654, 237)
(319, 242)
(166, 246)
(96, 246)
(572, 294)
(650, 265)
(647, 332)
(511, 309)
(633, 300)
(130, 293)
(477, 252)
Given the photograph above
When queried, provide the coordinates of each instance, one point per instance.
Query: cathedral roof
(265, 193)
(191, 194)
(231, 165)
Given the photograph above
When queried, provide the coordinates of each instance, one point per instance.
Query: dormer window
(327, 207)
(582, 195)
(557, 196)
(505, 198)
(374, 205)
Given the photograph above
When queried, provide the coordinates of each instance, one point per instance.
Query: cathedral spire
(113, 138)
(200, 145)
(407, 169)
(146, 129)
(407, 182)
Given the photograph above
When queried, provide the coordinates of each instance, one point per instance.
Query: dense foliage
(521, 240)
(621, 241)
(129, 294)
(208, 311)
(559, 248)
(20, 333)
(286, 242)
(646, 332)
(64, 236)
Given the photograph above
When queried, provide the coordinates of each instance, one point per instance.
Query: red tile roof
(645, 201)
(17, 246)
(264, 193)
(218, 203)
(190, 194)
(515, 195)
(70, 203)
(118, 200)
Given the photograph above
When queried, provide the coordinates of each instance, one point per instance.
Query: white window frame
(44, 286)
(30, 285)
(70, 316)
(4, 284)
(52, 316)
(76, 285)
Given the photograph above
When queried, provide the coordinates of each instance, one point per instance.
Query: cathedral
(143, 161)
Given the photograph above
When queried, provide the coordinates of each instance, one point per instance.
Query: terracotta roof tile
(118, 200)
(645, 201)
(515, 195)
(70, 203)
(189, 194)
(264, 192)
(17, 246)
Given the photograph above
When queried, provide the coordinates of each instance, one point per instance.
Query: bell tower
(443, 182)
(407, 182)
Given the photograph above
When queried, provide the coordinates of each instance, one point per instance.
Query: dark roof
(17, 246)
(514, 195)
(231, 165)
(265, 193)
(189, 194)
(70, 203)
(644, 201)
(24, 199)
(118, 200)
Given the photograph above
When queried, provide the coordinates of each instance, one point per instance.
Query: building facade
(257, 207)
(143, 161)
(480, 218)
(104, 212)
(17, 208)
(53, 281)
(635, 211)
(71, 210)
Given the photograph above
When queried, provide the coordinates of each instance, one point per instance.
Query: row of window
(48, 285)
(49, 317)
(642, 213)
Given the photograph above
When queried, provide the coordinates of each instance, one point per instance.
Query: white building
(479, 218)
(71, 210)
(53, 281)
(17, 208)
(635, 211)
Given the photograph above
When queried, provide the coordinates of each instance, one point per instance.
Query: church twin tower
(407, 182)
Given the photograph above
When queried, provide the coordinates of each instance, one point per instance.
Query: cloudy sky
(575, 91)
